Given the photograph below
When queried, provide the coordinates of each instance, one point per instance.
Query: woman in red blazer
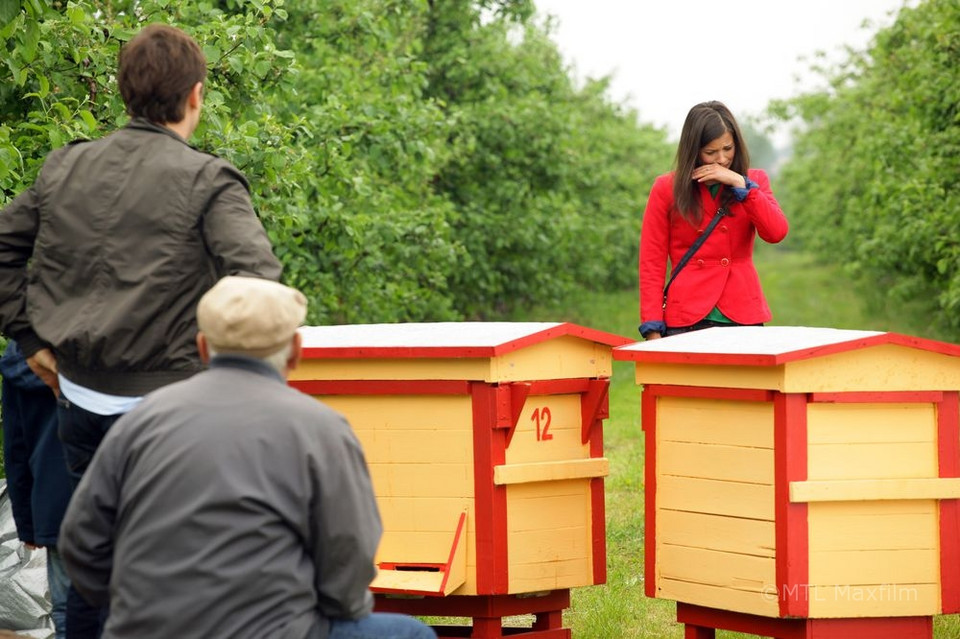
(719, 286)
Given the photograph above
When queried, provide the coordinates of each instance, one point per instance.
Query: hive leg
(698, 632)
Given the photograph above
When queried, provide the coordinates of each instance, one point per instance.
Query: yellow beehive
(798, 472)
(484, 441)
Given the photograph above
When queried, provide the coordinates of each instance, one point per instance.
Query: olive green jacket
(105, 257)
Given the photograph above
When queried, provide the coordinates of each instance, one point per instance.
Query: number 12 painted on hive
(542, 418)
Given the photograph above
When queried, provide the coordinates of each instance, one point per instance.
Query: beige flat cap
(250, 316)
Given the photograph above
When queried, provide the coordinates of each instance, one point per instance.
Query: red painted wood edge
(490, 500)
(648, 419)
(733, 394)
(381, 387)
(519, 391)
(457, 539)
(845, 628)
(876, 397)
(776, 359)
(792, 533)
(475, 605)
(598, 533)
(948, 439)
(594, 407)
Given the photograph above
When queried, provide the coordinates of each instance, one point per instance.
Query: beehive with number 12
(484, 441)
(796, 472)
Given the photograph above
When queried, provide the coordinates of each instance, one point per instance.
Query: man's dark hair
(158, 68)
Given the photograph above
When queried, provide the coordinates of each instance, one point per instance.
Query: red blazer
(721, 273)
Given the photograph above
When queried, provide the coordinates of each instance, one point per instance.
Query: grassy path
(800, 293)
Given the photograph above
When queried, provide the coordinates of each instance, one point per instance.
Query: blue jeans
(380, 625)
(59, 584)
(81, 433)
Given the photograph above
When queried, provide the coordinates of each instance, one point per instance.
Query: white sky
(664, 56)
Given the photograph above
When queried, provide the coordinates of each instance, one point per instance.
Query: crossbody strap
(690, 251)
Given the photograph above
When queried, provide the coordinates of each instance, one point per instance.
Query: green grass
(800, 293)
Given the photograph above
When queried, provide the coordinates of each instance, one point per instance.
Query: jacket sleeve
(348, 530)
(19, 223)
(764, 210)
(88, 529)
(654, 247)
(232, 231)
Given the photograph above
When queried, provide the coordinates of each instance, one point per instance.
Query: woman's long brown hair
(705, 123)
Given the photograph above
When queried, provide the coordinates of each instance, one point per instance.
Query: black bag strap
(693, 249)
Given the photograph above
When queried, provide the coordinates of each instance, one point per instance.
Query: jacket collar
(249, 364)
(144, 124)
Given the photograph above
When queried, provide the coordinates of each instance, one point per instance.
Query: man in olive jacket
(104, 258)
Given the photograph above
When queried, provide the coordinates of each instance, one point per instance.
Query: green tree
(411, 160)
(873, 182)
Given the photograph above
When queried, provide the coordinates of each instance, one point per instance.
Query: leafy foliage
(411, 159)
(874, 177)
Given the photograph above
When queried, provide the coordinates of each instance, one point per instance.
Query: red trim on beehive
(381, 387)
(948, 428)
(483, 606)
(701, 392)
(648, 421)
(598, 533)
(792, 532)
(876, 397)
(655, 355)
(490, 423)
(519, 391)
(698, 617)
(597, 504)
(594, 407)
(465, 350)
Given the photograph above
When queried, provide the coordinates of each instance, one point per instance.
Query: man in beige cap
(230, 504)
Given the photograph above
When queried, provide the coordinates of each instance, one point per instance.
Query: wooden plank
(872, 461)
(564, 357)
(873, 525)
(551, 471)
(874, 489)
(709, 461)
(416, 446)
(715, 532)
(422, 480)
(540, 577)
(871, 423)
(408, 581)
(338, 369)
(402, 412)
(431, 547)
(724, 569)
(716, 376)
(884, 367)
(751, 602)
(711, 421)
(874, 566)
(874, 600)
(751, 501)
(546, 511)
(547, 546)
(422, 513)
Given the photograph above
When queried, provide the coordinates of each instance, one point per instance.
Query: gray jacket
(226, 505)
(123, 235)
